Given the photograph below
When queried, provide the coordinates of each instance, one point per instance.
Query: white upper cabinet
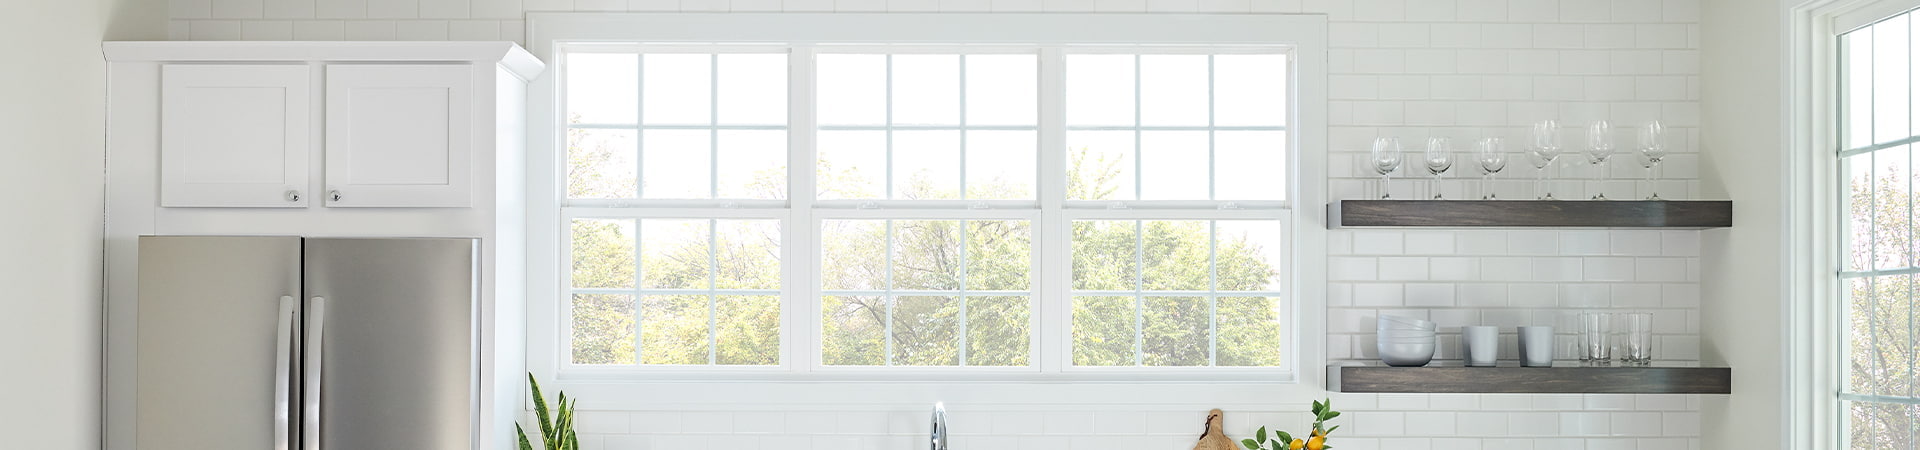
(399, 135)
(234, 135)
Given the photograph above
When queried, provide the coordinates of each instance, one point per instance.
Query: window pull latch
(869, 205)
(1229, 206)
(729, 205)
(978, 205)
(1117, 205)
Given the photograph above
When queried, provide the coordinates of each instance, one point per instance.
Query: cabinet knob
(333, 195)
(293, 195)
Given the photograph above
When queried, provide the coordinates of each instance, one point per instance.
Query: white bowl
(1406, 354)
(1406, 333)
(1396, 325)
(1404, 322)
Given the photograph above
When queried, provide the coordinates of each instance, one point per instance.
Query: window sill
(914, 395)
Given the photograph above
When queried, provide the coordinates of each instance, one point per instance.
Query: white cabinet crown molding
(511, 56)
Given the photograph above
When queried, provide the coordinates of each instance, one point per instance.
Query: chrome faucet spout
(939, 434)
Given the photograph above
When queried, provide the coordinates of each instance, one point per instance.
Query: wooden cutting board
(1214, 438)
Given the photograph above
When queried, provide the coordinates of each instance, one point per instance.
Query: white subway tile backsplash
(1430, 423)
(1404, 268)
(1557, 269)
(266, 30)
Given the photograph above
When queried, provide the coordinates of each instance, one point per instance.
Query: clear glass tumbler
(1596, 332)
(1636, 338)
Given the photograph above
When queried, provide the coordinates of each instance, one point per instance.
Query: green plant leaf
(1248, 443)
(1262, 435)
(1330, 430)
(563, 425)
(524, 444)
(540, 410)
(1285, 438)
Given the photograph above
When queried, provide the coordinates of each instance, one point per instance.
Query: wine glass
(1386, 156)
(1541, 151)
(1599, 149)
(1653, 149)
(1439, 158)
(1492, 155)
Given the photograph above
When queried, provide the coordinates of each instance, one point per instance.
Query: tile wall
(1408, 68)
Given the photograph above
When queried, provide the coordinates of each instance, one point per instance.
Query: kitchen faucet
(939, 426)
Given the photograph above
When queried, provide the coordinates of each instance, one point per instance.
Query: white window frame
(801, 378)
(1813, 412)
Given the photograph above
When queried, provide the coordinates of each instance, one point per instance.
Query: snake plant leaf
(540, 409)
(524, 444)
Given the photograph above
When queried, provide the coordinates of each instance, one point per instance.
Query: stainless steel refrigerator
(251, 343)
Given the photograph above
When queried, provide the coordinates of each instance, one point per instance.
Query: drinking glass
(1439, 158)
(1636, 338)
(1385, 157)
(1492, 155)
(1653, 148)
(1599, 149)
(1543, 147)
(1596, 331)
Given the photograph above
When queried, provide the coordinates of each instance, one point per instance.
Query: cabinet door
(234, 135)
(399, 136)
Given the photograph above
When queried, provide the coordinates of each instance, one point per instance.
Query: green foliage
(556, 426)
(1281, 440)
(1882, 318)
(933, 255)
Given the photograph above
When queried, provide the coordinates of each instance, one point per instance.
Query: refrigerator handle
(310, 409)
(283, 374)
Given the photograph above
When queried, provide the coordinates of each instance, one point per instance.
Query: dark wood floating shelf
(1688, 214)
(1531, 380)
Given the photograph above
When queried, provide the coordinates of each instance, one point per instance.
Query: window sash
(805, 212)
(552, 32)
(1850, 150)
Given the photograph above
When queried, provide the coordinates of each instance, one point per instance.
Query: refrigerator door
(390, 342)
(215, 342)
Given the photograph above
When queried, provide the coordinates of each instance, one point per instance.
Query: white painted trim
(1867, 14)
(1812, 413)
(1306, 34)
(507, 54)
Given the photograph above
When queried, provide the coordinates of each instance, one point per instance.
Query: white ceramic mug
(1536, 346)
(1482, 345)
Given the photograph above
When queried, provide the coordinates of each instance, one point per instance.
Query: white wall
(51, 159)
(1407, 68)
(1744, 69)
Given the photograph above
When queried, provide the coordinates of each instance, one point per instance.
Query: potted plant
(556, 427)
(1281, 440)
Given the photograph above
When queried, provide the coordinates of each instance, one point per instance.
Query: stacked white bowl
(1406, 341)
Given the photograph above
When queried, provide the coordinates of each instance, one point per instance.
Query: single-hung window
(967, 206)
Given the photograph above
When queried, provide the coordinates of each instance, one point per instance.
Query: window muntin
(1879, 129)
(926, 292)
(1149, 124)
(676, 125)
(1177, 292)
(925, 126)
(950, 125)
(675, 291)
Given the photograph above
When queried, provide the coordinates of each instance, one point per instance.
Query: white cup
(1482, 345)
(1536, 346)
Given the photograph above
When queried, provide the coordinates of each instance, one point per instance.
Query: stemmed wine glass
(1541, 151)
(1385, 157)
(1439, 158)
(1599, 149)
(1492, 154)
(1653, 148)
